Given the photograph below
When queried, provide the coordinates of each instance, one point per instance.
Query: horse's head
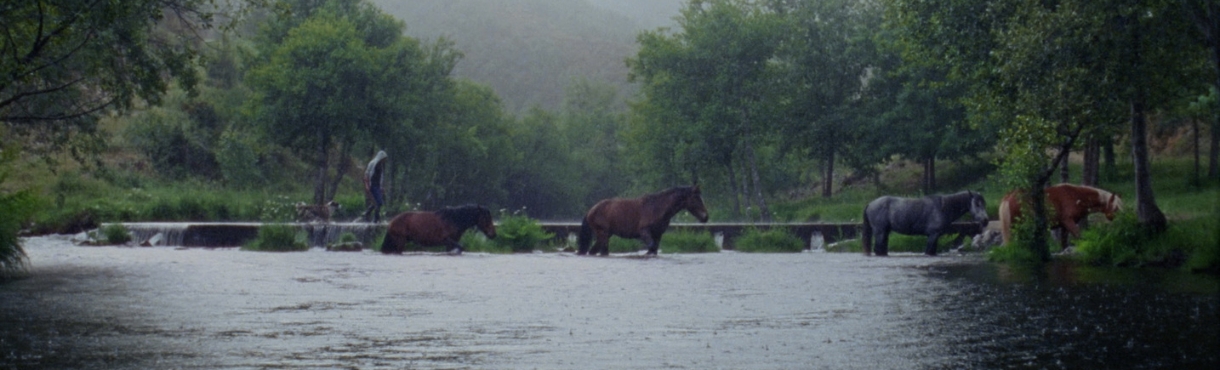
(693, 203)
(978, 208)
(485, 223)
(1113, 204)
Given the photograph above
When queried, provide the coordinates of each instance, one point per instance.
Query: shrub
(520, 233)
(1116, 243)
(474, 241)
(689, 242)
(776, 240)
(1192, 244)
(114, 234)
(17, 208)
(278, 238)
(624, 245)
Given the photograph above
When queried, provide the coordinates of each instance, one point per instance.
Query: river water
(161, 307)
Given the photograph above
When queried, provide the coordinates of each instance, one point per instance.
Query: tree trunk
(341, 168)
(736, 190)
(1145, 208)
(1092, 150)
(828, 176)
(1039, 240)
(1065, 173)
(763, 212)
(319, 189)
(1213, 167)
(1194, 126)
(1107, 151)
(928, 180)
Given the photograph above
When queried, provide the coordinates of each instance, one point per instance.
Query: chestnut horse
(929, 215)
(644, 218)
(440, 228)
(1071, 204)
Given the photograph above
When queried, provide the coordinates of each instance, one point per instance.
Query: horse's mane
(685, 190)
(1104, 197)
(677, 192)
(462, 216)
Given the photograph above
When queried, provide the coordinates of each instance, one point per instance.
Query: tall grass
(278, 238)
(16, 208)
(776, 240)
(1193, 244)
(520, 233)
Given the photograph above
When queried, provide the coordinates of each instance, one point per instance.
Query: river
(163, 307)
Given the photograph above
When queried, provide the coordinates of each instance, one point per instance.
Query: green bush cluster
(776, 240)
(520, 233)
(113, 234)
(1193, 244)
(16, 209)
(689, 242)
(673, 241)
(278, 238)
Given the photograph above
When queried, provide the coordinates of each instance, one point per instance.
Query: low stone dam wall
(231, 234)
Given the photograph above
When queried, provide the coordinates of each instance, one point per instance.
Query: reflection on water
(113, 307)
(1067, 315)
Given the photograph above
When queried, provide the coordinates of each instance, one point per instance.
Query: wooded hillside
(528, 51)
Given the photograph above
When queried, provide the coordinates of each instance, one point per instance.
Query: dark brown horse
(440, 228)
(644, 218)
(1070, 204)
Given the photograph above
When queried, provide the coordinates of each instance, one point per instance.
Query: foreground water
(114, 307)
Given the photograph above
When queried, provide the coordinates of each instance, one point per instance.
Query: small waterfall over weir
(235, 234)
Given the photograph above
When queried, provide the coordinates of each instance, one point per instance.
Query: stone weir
(232, 234)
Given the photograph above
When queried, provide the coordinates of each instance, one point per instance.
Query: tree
(333, 80)
(66, 61)
(1206, 17)
(711, 82)
(1050, 72)
(827, 56)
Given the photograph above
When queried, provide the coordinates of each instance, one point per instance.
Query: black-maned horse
(440, 228)
(929, 215)
(644, 218)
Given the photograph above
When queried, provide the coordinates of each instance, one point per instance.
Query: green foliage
(474, 241)
(278, 238)
(1191, 243)
(1116, 243)
(69, 65)
(114, 234)
(18, 207)
(775, 240)
(1013, 253)
(519, 233)
(624, 245)
(688, 242)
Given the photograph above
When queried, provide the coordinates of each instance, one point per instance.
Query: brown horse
(440, 228)
(644, 218)
(1071, 204)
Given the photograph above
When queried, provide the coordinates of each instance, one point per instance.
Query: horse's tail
(1005, 212)
(585, 237)
(866, 235)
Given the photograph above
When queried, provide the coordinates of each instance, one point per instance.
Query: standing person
(374, 184)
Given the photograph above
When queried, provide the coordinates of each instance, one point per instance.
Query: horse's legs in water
(651, 241)
(601, 244)
(881, 242)
(931, 248)
(455, 248)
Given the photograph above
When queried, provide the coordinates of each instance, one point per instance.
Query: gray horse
(929, 215)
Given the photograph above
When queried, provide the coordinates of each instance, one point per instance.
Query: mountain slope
(528, 51)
